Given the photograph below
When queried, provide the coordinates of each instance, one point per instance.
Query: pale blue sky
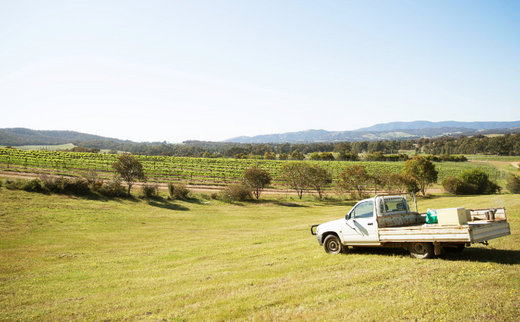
(212, 70)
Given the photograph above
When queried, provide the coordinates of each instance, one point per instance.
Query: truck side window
(364, 210)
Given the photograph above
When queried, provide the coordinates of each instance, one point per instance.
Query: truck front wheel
(421, 250)
(332, 244)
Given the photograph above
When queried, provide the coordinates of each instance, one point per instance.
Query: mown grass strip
(65, 258)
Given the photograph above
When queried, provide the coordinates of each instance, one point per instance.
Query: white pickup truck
(387, 221)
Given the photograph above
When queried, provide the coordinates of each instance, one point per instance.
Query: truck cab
(360, 226)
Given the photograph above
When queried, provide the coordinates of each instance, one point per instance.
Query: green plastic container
(431, 216)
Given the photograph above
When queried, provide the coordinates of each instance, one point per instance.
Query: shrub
(457, 186)
(296, 176)
(469, 189)
(513, 183)
(95, 183)
(178, 191)
(477, 177)
(149, 190)
(14, 184)
(409, 182)
(413, 187)
(452, 185)
(236, 192)
(257, 179)
(423, 171)
(78, 186)
(481, 181)
(354, 180)
(493, 187)
(113, 188)
(34, 185)
(56, 185)
(471, 182)
(130, 169)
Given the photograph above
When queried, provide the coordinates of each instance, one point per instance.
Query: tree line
(418, 174)
(508, 144)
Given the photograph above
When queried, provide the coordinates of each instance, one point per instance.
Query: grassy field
(484, 158)
(43, 147)
(505, 166)
(65, 258)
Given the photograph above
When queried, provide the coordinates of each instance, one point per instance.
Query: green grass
(66, 258)
(505, 166)
(43, 147)
(481, 157)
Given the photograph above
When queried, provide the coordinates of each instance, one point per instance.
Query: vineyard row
(219, 171)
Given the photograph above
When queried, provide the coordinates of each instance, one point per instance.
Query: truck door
(360, 226)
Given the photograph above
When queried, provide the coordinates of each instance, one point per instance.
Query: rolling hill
(388, 131)
(23, 136)
(417, 125)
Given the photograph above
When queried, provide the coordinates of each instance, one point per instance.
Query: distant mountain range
(22, 136)
(417, 125)
(387, 131)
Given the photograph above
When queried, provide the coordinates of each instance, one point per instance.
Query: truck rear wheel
(421, 250)
(332, 245)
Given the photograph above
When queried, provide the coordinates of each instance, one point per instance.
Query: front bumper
(315, 232)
